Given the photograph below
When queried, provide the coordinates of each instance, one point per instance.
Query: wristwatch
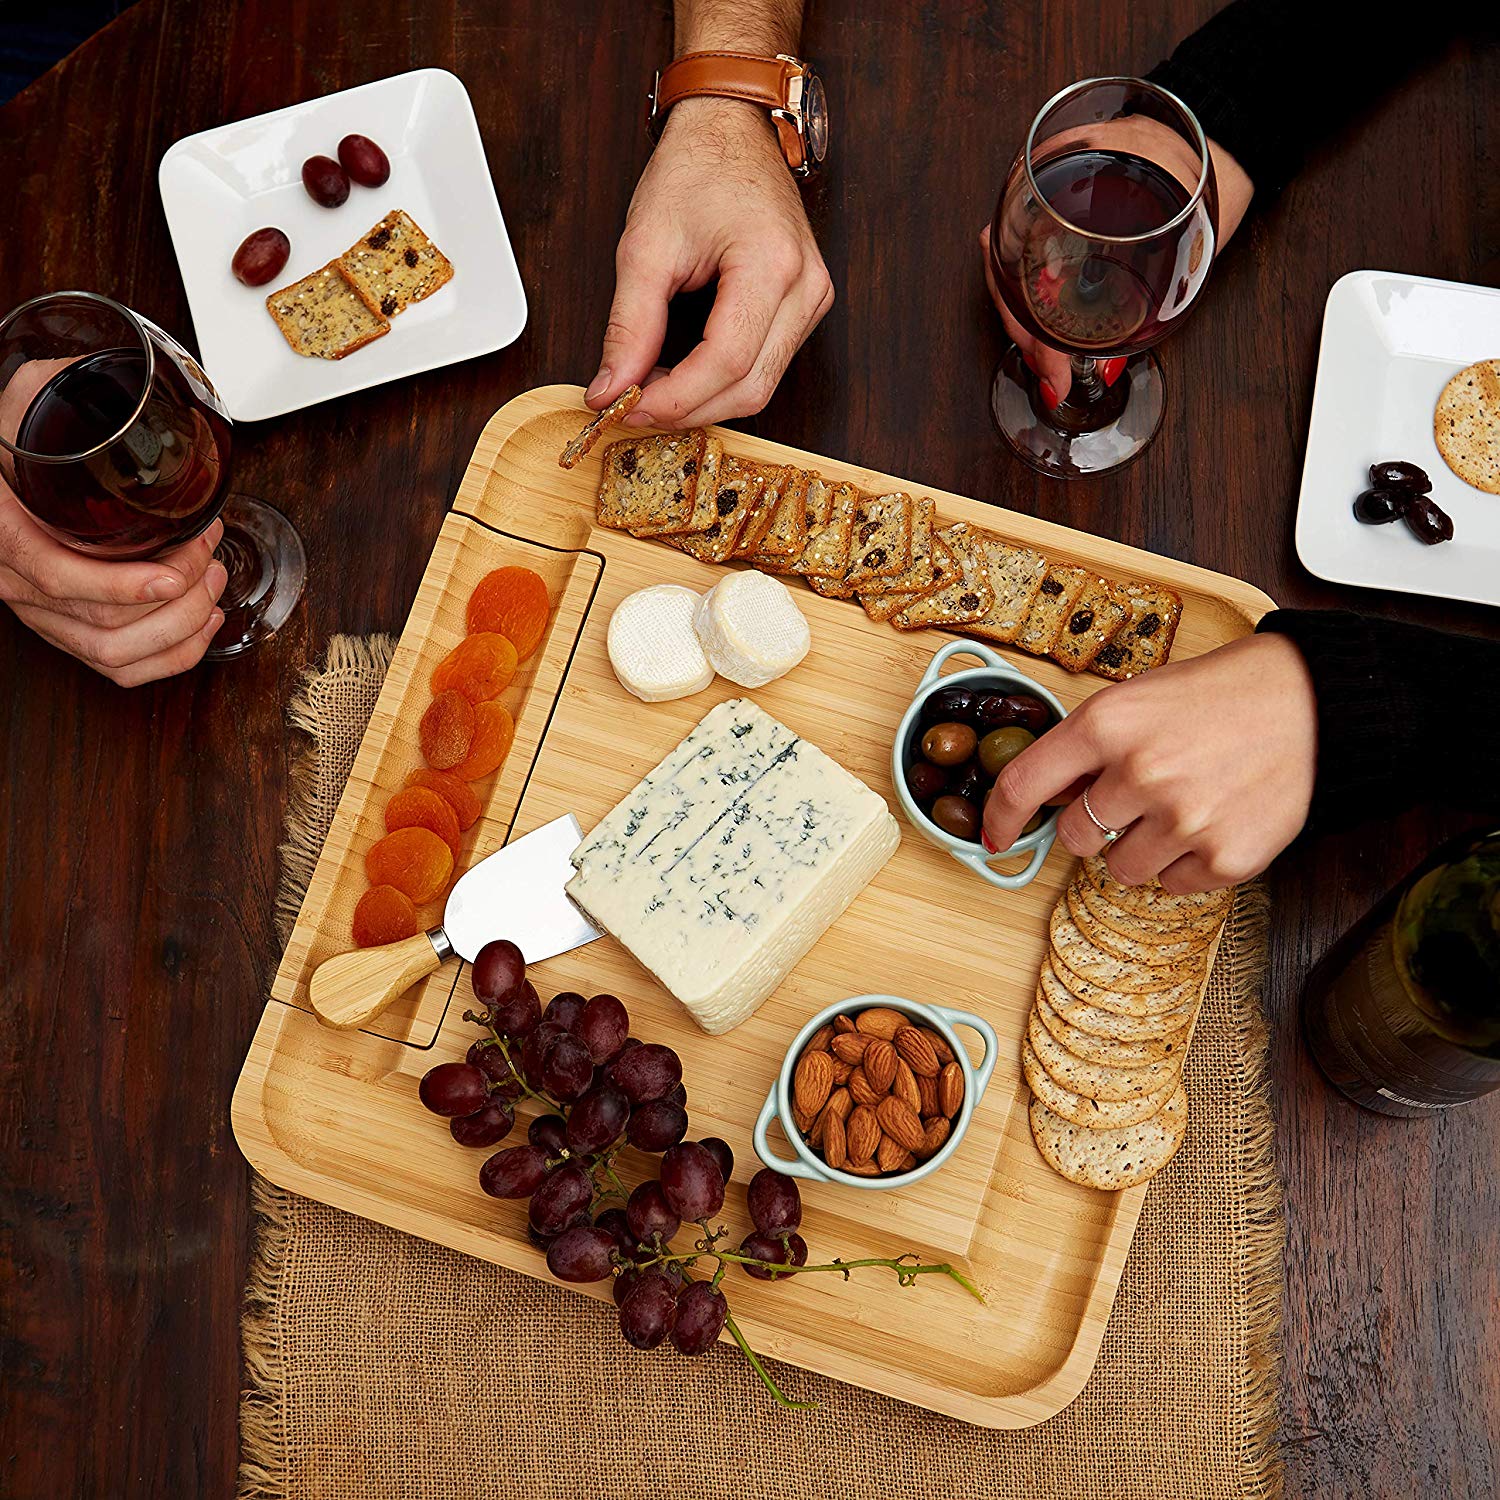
(784, 85)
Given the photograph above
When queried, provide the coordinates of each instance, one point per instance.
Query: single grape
(648, 1311)
(549, 1133)
(499, 972)
(788, 1250)
(565, 1191)
(453, 1088)
(516, 1172)
(565, 1010)
(603, 1027)
(656, 1125)
(261, 256)
(647, 1072)
(649, 1214)
(702, 1312)
(595, 1122)
(616, 1225)
(326, 181)
(534, 1049)
(691, 1180)
(519, 1013)
(487, 1126)
(678, 1096)
(773, 1200)
(581, 1253)
(364, 161)
(624, 1284)
(541, 1241)
(719, 1150)
(567, 1068)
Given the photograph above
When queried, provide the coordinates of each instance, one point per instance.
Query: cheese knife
(516, 893)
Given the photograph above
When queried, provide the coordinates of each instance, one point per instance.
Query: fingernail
(985, 840)
(600, 384)
(1109, 369)
(166, 587)
(638, 418)
(215, 620)
(216, 577)
(1049, 396)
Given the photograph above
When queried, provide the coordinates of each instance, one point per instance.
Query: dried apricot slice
(513, 602)
(479, 666)
(384, 915)
(414, 860)
(447, 730)
(421, 807)
(454, 792)
(494, 729)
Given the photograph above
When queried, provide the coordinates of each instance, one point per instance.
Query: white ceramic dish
(1390, 345)
(221, 184)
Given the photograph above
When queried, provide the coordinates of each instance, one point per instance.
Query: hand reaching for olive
(1207, 765)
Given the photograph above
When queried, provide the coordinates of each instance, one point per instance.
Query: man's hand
(715, 200)
(132, 621)
(1208, 764)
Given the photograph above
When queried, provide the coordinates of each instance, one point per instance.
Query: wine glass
(117, 444)
(1101, 241)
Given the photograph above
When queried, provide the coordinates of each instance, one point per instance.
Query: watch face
(815, 113)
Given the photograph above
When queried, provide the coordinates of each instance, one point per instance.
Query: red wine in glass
(1102, 238)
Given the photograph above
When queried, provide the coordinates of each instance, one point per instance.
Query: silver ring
(1110, 834)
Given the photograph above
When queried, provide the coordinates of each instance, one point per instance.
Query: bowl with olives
(959, 734)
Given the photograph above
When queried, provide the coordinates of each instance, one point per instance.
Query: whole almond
(815, 1135)
(905, 1087)
(818, 1041)
(862, 1134)
(835, 1146)
(880, 1064)
(881, 1021)
(812, 1082)
(860, 1086)
(862, 1168)
(841, 1072)
(892, 1156)
(928, 1089)
(850, 1046)
(939, 1046)
(951, 1089)
(843, 1023)
(916, 1050)
(802, 1120)
(840, 1102)
(933, 1138)
(899, 1121)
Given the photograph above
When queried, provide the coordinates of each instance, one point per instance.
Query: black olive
(925, 780)
(1377, 507)
(970, 782)
(1428, 521)
(1396, 473)
(949, 705)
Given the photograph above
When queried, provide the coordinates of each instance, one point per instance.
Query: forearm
(764, 27)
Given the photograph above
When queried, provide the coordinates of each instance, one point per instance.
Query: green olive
(1001, 746)
(948, 744)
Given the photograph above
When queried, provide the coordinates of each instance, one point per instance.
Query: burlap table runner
(380, 1365)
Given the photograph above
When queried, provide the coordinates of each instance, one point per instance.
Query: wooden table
(141, 828)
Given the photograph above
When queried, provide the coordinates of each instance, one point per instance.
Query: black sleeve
(1268, 79)
(1405, 715)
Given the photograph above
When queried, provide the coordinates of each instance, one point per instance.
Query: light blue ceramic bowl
(942, 1020)
(995, 676)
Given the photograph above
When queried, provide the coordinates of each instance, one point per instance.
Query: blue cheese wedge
(731, 859)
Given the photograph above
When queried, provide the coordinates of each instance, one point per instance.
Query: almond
(862, 1168)
(803, 1122)
(881, 1021)
(835, 1147)
(916, 1050)
(862, 1134)
(892, 1156)
(933, 1138)
(818, 1041)
(899, 1121)
(928, 1089)
(905, 1087)
(812, 1082)
(843, 1023)
(850, 1046)
(860, 1087)
(939, 1046)
(951, 1089)
(880, 1064)
(841, 1072)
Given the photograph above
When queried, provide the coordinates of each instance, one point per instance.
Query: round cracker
(1185, 956)
(1150, 900)
(1110, 1159)
(1097, 1080)
(1148, 929)
(1115, 1051)
(1126, 1027)
(1122, 975)
(1126, 1002)
(1466, 425)
(1092, 1114)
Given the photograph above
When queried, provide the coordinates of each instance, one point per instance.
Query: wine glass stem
(1087, 386)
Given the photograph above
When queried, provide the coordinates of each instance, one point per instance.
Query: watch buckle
(653, 111)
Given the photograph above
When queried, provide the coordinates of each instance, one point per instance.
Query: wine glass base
(267, 568)
(1065, 444)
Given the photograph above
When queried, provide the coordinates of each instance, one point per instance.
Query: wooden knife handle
(351, 989)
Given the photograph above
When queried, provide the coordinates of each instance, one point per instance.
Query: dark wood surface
(141, 828)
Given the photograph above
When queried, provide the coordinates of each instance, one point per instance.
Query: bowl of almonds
(876, 1092)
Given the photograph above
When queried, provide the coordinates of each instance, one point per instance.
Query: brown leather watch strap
(731, 75)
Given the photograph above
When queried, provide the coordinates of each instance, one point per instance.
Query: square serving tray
(335, 1116)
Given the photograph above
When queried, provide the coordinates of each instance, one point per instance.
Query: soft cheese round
(653, 647)
(751, 628)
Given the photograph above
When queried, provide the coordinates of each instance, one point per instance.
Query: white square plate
(1390, 345)
(221, 184)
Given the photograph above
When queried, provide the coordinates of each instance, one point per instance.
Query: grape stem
(906, 1267)
(760, 1369)
(496, 1040)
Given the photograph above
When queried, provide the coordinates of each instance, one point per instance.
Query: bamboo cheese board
(334, 1114)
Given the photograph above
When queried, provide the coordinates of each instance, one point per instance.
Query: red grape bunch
(600, 1089)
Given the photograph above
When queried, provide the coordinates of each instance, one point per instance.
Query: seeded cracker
(1015, 574)
(1060, 591)
(1097, 1080)
(1110, 1159)
(762, 518)
(702, 495)
(322, 318)
(882, 606)
(395, 264)
(966, 596)
(1092, 1114)
(583, 444)
(830, 510)
(1099, 612)
(735, 496)
(650, 479)
(1185, 949)
(1145, 639)
(1466, 425)
(1079, 1005)
(1118, 1053)
(881, 546)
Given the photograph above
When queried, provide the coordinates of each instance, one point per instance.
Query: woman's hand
(1208, 764)
(715, 200)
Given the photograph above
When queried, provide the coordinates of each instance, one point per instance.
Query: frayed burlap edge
(263, 1470)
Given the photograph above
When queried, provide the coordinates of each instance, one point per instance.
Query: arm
(715, 201)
